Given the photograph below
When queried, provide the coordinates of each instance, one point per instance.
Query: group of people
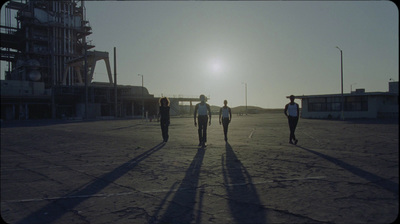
(202, 118)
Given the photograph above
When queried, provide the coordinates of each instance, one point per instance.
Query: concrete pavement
(118, 171)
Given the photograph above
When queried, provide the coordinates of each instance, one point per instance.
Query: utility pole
(245, 94)
(142, 97)
(86, 79)
(115, 83)
(341, 79)
(86, 70)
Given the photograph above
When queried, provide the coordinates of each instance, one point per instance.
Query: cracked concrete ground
(117, 171)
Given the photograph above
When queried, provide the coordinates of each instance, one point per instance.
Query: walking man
(202, 112)
(226, 113)
(292, 113)
(164, 114)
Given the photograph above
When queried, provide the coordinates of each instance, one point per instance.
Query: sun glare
(216, 68)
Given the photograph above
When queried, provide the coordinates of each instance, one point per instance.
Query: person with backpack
(292, 113)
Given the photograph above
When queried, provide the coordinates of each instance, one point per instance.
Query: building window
(334, 106)
(317, 104)
(334, 103)
(324, 104)
(356, 103)
(352, 103)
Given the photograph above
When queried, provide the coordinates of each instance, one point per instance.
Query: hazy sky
(277, 47)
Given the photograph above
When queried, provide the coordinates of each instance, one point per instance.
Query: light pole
(245, 93)
(341, 75)
(142, 97)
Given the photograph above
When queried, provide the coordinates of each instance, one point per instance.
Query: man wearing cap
(202, 112)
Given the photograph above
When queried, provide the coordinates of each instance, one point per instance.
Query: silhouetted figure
(292, 113)
(202, 112)
(226, 114)
(164, 114)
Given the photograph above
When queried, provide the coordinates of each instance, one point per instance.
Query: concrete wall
(8, 112)
(22, 88)
(388, 107)
(94, 110)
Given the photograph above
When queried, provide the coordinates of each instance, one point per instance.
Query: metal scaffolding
(51, 65)
(46, 36)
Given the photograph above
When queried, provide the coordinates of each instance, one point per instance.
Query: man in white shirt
(292, 113)
(202, 112)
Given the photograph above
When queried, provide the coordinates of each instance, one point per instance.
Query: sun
(216, 67)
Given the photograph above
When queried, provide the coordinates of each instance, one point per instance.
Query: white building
(357, 104)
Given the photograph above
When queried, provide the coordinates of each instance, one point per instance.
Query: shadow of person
(54, 210)
(182, 207)
(380, 181)
(244, 202)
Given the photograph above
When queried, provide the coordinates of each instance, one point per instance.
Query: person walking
(202, 112)
(292, 113)
(164, 114)
(226, 114)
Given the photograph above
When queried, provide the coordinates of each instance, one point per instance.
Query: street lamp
(245, 93)
(142, 97)
(341, 75)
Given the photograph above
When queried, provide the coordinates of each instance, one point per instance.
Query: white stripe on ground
(311, 137)
(279, 180)
(251, 134)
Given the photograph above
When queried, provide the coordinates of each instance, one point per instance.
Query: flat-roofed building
(357, 104)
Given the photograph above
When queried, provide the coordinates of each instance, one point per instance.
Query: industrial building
(50, 66)
(357, 104)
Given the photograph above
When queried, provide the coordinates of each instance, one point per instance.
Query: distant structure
(177, 109)
(51, 67)
(47, 43)
(357, 104)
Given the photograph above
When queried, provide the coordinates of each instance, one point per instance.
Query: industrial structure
(50, 66)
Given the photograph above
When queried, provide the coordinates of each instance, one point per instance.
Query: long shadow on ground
(244, 202)
(384, 183)
(59, 207)
(182, 207)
